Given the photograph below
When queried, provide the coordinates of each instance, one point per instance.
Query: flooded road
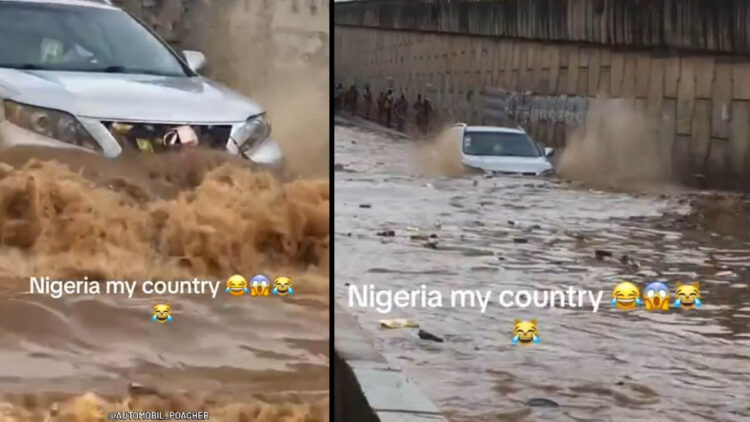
(524, 234)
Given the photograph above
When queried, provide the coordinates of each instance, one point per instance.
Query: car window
(78, 38)
(499, 144)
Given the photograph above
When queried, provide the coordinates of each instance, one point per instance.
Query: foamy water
(262, 357)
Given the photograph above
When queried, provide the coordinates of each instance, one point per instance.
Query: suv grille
(132, 136)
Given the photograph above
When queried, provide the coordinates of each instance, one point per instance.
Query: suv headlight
(548, 172)
(50, 123)
(253, 132)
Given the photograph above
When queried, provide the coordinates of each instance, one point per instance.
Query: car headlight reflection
(50, 123)
(255, 130)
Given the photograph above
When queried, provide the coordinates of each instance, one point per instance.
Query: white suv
(502, 150)
(86, 75)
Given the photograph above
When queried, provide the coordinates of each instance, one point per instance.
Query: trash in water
(532, 227)
(601, 254)
(520, 240)
(187, 136)
(424, 335)
(398, 323)
(122, 128)
(136, 389)
(145, 145)
(386, 233)
(181, 136)
(365, 205)
(725, 274)
(5, 169)
(540, 402)
(431, 243)
(423, 237)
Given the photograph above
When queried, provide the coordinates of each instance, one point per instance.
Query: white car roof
(498, 129)
(103, 4)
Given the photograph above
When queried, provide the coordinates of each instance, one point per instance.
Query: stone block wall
(700, 102)
(288, 31)
(688, 25)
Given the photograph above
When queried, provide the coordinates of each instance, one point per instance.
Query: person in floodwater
(338, 93)
(426, 111)
(353, 97)
(418, 111)
(381, 107)
(388, 107)
(400, 109)
(367, 97)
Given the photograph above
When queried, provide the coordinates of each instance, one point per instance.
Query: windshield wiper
(113, 69)
(128, 70)
(23, 66)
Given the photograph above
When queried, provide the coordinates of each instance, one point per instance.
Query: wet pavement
(520, 233)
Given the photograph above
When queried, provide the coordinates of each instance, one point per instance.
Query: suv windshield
(39, 36)
(499, 144)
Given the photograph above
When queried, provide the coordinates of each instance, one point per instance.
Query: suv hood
(534, 165)
(141, 98)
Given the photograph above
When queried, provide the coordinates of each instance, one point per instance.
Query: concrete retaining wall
(700, 103)
(287, 32)
(696, 25)
(367, 388)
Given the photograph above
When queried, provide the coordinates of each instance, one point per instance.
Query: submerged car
(505, 150)
(87, 75)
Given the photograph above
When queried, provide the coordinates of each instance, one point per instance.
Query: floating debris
(398, 323)
(424, 335)
(541, 402)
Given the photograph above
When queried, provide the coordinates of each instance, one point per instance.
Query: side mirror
(195, 60)
(549, 152)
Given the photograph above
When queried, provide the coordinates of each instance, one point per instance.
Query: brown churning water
(170, 217)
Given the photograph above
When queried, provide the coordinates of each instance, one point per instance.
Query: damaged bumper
(116, 137)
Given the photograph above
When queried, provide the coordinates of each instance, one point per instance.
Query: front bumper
(266, 154)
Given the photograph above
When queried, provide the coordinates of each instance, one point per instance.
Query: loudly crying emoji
(162, 313)
(626, 296)
(525, 332)
(687, 296)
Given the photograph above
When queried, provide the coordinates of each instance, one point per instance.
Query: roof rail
(461, 124)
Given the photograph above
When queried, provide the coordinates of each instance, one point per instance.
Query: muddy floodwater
(201, 215)
(521, 233)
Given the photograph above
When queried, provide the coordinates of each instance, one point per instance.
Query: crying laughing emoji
(656, 296)
(687, 296)
(626, 296)
(282, 286)
(162, 313)
(525, 332)
(236, 285)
